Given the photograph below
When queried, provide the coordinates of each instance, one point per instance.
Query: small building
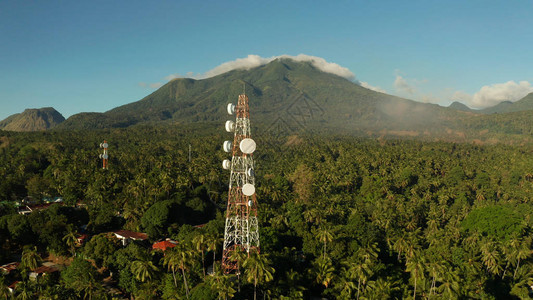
(164, 245)
(42, 271)
(7, 268)
(81, 239)
(125, 236)
(28, 209)
(11, 287)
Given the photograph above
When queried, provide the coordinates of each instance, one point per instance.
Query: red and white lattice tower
(241, 232)
(104, 156)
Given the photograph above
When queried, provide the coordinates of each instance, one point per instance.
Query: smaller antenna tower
(104, 156)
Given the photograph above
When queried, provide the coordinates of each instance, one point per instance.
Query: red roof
(9, 267)
(45, 269)
(163, 245)
(131, 235)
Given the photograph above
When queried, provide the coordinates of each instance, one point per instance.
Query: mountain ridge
(33, 119)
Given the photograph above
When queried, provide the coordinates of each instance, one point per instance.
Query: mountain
(523, 104)
(33, 119)
(460, 106)
(290, 98)
(284, 95)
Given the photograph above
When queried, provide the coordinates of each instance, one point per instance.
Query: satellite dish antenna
(250, 203)
(226, 164)
(250, 172)
(247, 146)
(248, 189)
(231, 108)
(101, 145)
(105, 145)
(230, 126)
(227, 146)
(105, 156)
(100, 155)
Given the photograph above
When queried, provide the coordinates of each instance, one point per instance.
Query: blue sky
(95, 55)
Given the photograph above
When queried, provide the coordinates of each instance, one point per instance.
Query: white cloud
(490, 95)
(253, 61)
(401, 85)
(374, 88)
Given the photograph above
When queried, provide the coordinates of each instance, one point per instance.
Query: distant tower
(104, 156)
(241, 230)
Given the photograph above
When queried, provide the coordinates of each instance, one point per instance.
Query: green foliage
(497, 221)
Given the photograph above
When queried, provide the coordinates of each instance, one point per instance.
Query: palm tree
(4, 291)
(24, 290)
(222, 284)
(381, 289)
(521, 252)
(71, 240)
(213, 241)
(415, 265)
(200, 243)
(325, 235)
(143, 270)
(323, 269)
(30, 258)
(239, 256)
(179, 257)
(257, 269)
(490, 256)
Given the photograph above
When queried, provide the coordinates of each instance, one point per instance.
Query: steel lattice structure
(104, 156)
(241, 232)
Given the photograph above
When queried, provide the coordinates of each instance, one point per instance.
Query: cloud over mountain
(490, 95)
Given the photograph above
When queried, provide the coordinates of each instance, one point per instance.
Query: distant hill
(289, 97)
(33, 119)
(523, 104)
(460, 106)
(285, 95)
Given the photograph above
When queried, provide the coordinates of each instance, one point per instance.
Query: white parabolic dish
(105, 156)
(230, 126)
(231, 108)
(105, 145)
(247, 146)
(248, 189)
(226, 164)
(227, 146)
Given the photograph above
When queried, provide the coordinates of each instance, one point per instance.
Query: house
(125, 236)
(28, 209)
(11, 287)
(164, 245)
(42, 271)
(81, 239)
(7, 268)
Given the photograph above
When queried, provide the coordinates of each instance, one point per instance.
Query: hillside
(288, 97)
(523, 104)
(282, 93)
(33, 119)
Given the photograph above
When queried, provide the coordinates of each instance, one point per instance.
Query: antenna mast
(241, 231)
(104, 156)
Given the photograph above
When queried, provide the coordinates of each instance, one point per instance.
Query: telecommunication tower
(104, 156)
(241, 232)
